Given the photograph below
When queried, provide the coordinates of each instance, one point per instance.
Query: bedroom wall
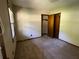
(69, 24)
(28, 23)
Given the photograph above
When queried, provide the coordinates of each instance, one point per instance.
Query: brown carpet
(46, 48)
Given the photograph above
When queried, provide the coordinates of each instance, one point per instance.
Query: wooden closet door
(50, 25)
(56, 25)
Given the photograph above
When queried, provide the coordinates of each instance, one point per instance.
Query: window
(12, 22)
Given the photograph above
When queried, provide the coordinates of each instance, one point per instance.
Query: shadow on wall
(28, 24)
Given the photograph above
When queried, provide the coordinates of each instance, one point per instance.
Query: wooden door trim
(58, 25)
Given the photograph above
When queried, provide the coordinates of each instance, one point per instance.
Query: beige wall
(69, 24)
(29, 22)
(6, 31)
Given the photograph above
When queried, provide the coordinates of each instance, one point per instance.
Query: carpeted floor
(46, 48)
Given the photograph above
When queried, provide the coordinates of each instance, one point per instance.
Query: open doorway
(50, 25)
(44, 25)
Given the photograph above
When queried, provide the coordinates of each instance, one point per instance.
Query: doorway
(44, 19)
(50, 25)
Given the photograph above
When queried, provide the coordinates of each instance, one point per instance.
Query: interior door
(50, 25)
(56, 25)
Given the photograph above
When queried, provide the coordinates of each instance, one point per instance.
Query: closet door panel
(50, 25)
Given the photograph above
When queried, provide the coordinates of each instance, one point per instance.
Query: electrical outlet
(31, 35)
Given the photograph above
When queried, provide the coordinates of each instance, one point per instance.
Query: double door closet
(50, 25)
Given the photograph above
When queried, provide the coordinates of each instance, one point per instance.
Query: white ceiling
(43, 4)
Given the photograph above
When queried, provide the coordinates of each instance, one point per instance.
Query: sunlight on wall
(69, 25)
(29, 24)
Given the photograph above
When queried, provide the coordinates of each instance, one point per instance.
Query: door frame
(42, 22)
(54, 21)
